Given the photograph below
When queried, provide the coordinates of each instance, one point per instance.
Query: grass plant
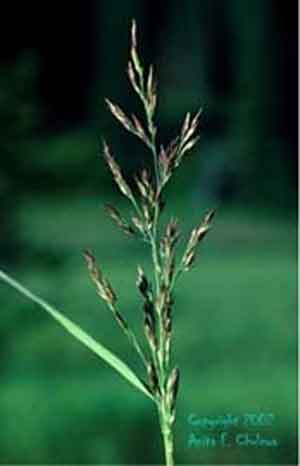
(161, 380)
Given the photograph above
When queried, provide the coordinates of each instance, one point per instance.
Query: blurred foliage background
(235, 323)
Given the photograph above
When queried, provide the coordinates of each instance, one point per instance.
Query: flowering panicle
(157, 294)
(148, 203)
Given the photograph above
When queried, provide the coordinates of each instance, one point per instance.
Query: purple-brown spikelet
(153, 378)
(139, 130)
(150, 332)
(172, 387)
(116, 172)
(120, 115)
(104, 288)
(197, 235)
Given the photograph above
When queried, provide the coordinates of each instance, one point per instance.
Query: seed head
(149, 311)
(197, 235)
(168, 242)
(116, 171)
(148, 212)
(168, 326)
(107, 293)
(186, 124)
(104, 288)
(132, 78)
(188, 260)
(201, 232)
(153, 379)
(209, 216)
(94, 271)
(133, 52)
(189, 145)
(172, 387)
(120, 115)
(142, 283)
(150, 82)
(150, 332)
(151, 91)
(172, 232)
(145, 186)
(133, 34)
(139, 131)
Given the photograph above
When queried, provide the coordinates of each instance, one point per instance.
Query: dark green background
(235, 313)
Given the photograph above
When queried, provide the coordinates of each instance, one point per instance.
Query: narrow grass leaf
(110, 358)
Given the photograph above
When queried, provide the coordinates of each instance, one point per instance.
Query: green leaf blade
(106, 355)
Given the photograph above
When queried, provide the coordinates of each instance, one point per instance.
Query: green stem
(169, 448)
(167, 434)
(164, 412)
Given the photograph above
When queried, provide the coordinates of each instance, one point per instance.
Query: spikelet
(104, 289)
(132, 78)
(151, 91)
(150, 332)
(118, 220)
(153, 378)
(120, 115)
(133, 52)
(197, 235)
(186, 124)
(144, 185)
(172, 388)
(116, 172)
(140, 131)
(143, 284)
